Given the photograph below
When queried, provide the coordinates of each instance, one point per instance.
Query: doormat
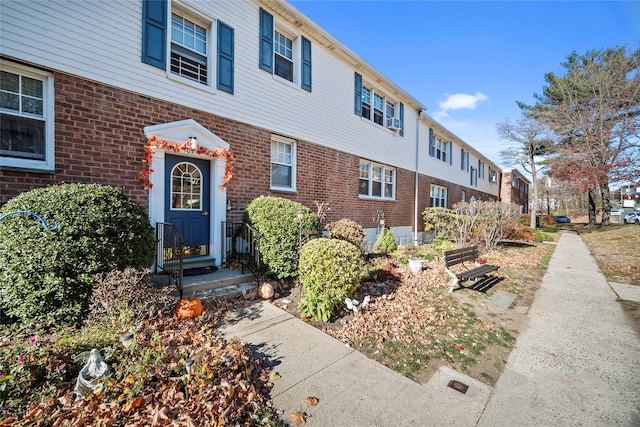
(199, 271)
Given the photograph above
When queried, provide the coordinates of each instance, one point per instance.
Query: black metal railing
(170, 253)
(241, 244)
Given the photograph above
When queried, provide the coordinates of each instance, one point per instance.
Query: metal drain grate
(458, 386)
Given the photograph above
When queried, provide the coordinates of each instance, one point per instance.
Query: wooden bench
(463, 256)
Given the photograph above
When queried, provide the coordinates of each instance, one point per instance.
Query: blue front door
(187, 203)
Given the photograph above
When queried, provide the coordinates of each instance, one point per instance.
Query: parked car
(617, 211)
(562, 219)
(632, 218)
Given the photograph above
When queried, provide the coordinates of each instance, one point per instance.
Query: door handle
(205, 213)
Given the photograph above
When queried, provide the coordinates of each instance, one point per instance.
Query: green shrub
(542, 237)
(46, 276)
(440, 220)
(330, 271)
(347, 230)
(386, 241)
(549, 228)
(442, 243)
(280, 232)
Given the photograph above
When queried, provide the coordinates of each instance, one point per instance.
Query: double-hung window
(474, 177)
(373, 105)
(438, 196)
(283, 53)
(199, 51)
(464, 160)
(376, 180)
(283, 56)
(26, 116)
(480, 169)
(493, 176)
(378, 104)
(189, 49)
(283, 164)
(439, 148)
(366, 103)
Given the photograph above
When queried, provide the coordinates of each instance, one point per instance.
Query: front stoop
(223, 283)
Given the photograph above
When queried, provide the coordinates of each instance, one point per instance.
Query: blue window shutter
(357, 97)
(154, 33)
(401, 119)
(450, 152)
(467, 154)
(306, 64)
(225, 57)
(432, 146)
(266, 40)
(462, 159)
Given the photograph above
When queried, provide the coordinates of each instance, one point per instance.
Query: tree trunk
(592, 205)
(534, 205)
(606, 204)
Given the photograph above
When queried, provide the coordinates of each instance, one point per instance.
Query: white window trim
(208, 24)
(294, 162)
(385, 99)
(438, 188)
(382, 174)
(296, 50)
(48, 104)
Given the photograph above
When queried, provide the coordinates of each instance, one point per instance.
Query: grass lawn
(616, 250)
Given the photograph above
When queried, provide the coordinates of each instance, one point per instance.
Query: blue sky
(470, 61)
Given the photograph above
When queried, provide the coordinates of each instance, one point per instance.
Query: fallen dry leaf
(312, 401)
(298, 418)
(274, 376)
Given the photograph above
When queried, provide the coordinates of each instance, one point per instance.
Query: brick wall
(99, 139)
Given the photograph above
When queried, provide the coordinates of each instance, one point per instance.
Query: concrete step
(224, 283)
(228, 291)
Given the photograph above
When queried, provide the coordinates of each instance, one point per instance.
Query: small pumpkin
(265, 291)
(188, 308)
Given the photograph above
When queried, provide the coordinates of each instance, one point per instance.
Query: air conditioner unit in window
(493, 178)
(393, 123)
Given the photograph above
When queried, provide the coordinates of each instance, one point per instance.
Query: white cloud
(460, 100)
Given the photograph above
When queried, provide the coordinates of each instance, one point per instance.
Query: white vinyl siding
(63, 37)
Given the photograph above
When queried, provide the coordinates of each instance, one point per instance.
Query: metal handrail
(170, 253)
(241, 243)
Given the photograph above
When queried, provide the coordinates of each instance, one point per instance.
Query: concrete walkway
(578, 361)
(576, 364)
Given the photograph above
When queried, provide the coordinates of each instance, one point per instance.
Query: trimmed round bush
(330, 271)
(280, 232)
(347, 230)
(46, 275)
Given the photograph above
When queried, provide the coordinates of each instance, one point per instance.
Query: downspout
(415, 202)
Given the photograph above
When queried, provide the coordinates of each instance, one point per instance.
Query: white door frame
(179, 132)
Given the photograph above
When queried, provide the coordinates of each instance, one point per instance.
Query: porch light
(192, 144)
(228, 204)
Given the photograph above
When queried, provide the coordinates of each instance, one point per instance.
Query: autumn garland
(153, 143)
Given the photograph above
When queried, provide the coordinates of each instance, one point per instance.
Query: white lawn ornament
(90, 377)
(352, 304)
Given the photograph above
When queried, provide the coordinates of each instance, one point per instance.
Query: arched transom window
(186, 186)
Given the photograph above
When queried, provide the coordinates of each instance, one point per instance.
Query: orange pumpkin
(188, 308)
